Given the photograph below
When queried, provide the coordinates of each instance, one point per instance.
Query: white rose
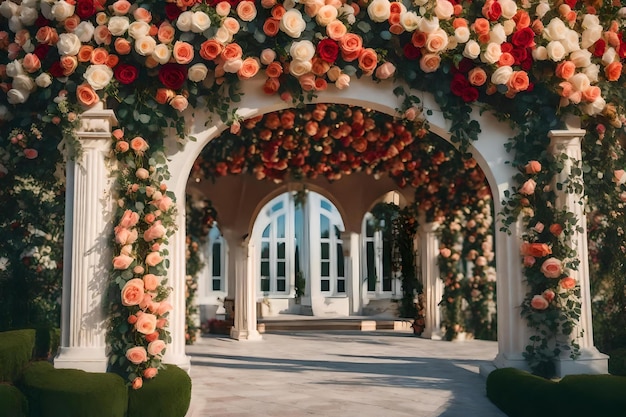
(200, 22)
(15, 24)
(268, 56)
(592, 71)
(580, 81)
(233, 65)
(437, 41)
(429, 25)
(161, 53)
(43, 80)
(302, 50)
(502, 75)
(622, 12)
(444, 9)
(570, 41)
(24, 83)
(410, 21)
(145, 46)
(471, 50)
(8, 9)
(540, 53)
(197, 72)
(462, 34)
(68, 44)
(118, 25)
(84, 31)
(292, 23)
(183, 23)
(61, 10)
(590, 20)
(33, 4)
(591, 36)
(347, 12)
(595, 107)
(452, 43)
(542, 9)
(46, 10)
(492, 54)
(298, 68)
(379, 10)
(223, 36)
(509, 26)
(581, 58)
(509, 8)
(343, 81)
(28, 46)
(15, 96)
(556, 51)
(28, 16)
(326, 14)
(138, 29)
(98, 76)
(555, 30)
(333, 73)
(497, 35)
(610, 55)
(15, 68)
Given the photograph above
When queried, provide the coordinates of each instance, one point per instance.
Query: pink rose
(153, 259)
(150, 373)
(146, 323)
(137, 383)
(137, 355)
(567, 283)
(156, 347)
(179, 102)
(548, 295)
(142, 173)
(150, 282)
(539, 303)
(533, 167)
(529, 261)
(552, 268)
(122, 262)
(155, 231)
(132, 293)
(162, 203)
(164, 307)
(129, 219)
(529, 187)
(385, 70)
(619, 176)
(125, 236)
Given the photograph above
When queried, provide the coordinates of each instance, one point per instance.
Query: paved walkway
(339, 373)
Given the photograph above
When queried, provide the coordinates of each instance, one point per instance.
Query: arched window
(378, 257)
(213, 282)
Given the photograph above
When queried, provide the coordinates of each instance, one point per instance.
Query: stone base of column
(590, 361)
(517, 361)
(87, 359)
(433, 334)
(181, 360)
(245, 334)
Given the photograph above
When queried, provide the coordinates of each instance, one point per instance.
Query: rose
(150, 282)
(567, 283)
(61, 10)
(98, 76)
(122, 262)
(182, 52)
(518, 81)
(132, 292)
(471, 50)
(118, 25)
(246, 10)
(302, 50)
(146, 323)
(145, 46)
(552, 268)
(102, 35)
(556, 51)
(292, 23)
(125, 236)
(156, 348)
(385, 70)
(379, 10)
(172, 75)
(183, 22)
(343, 81)
(197, 72)
(619, 176)
(68, 44)
(23, 82)
(211, 49)
(565, 70)
(155, 231)
(492, 53)
(613, 71)
(137, 355)
(368, 59)
(537, 250)
(150, 373)
(139, 146)
(153, 259)
(85, 9)
(437, 41)
(44, 80)
(428, 25)
(200, 22)
(86, 95)
(138, 30)
(298, 68)
(533, 167)
(538, 302)
(129, 219)
(445, 252)
(430, 62)
(556, 229)
(125, 73)
(249, 68)
(328, 50)
(166, 33)
(31, 63)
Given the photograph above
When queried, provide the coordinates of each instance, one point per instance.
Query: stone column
(245, 322)
(351, 252)
(433, 286)
(568, 142)
(86, 252)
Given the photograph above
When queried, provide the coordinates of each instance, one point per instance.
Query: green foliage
(617, 362)
(168, 395)
(16, 351)
(12, 402)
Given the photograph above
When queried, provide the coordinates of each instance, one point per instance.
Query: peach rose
(150, 282)
(533, 167)
(613, 71)
(351, 45)
(156, 348)
(232, 25)
(31, 63)
(307, 82)
(164, 307)
(552, 268)
(437, 41)
(122, 146)
(152, 336)
(368, 59)
(69, 65)
(137, 355)
(567, 283)
(137, 383)
(268, 56)
(565, 70)
(430, 62)
(539, 303)
(528, 188)
(129, 219)
(179, 102)
(150, 373)
(518, 81)
(477, 76)
(133, 292)
(548, 295)
(125, 236)
(223, 8)
(537, 250)
(146, 323)
(139, 145)
(336, 30)
(182, 52)
(47, 35)
(231, 51)
(619, 176)
(121, 7)
(122, 262)
(153, 259)
(249, 68)
(163, 203)
(99, 56)
(591, 94)
(246, 10)
(166, 33)
(155, 231)
(385, 70)
(164, 95)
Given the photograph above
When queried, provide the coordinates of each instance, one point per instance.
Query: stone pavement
(339, 373)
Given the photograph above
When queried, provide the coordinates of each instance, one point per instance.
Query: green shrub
(167, 395)
(73, 393)
(617, 362)
(521, 394)
(16, 350)
(12, 402)
(593, 395)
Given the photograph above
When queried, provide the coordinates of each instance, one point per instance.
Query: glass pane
(265, 250)
(266, 231)
(265, 269)
(325, 269)
(369, 228)
(371, 268)
(265, 284)
(280, 250)
(371, 283)
(217, 259)
(340, 261)
(280, 227)
(280, 269)
(280, 285)
(324, 227)
(325, 284)
(387, 283)
(217, 285)
(386, 259)
(277, 207)
(341, 285)
(326, 205)
(325, 250)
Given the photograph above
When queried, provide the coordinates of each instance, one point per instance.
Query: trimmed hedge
(617, 362)
(16, 351)
(12, 402)
(73, 393)
(167, 395)
(521, 394)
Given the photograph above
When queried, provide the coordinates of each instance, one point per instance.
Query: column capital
(565, 138)
(96, 123)
(429, 227)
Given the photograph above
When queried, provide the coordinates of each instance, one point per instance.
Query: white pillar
(568, 142)
(245, 321)
(86, 252)
(433, 286)
(352, 259)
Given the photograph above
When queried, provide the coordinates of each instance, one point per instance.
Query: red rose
(523, 38)
(41, 51)
(85, 9)
(459, 84)
(172, 11)
(622, 47)
(520, 55)
(411, 52)
(172, 75)
(125, 73)
(465, 65)
(328, 50)
(469, 94)
(42, 21)
(571, 3)
(56, 70)
(492, 10)
(599, 48)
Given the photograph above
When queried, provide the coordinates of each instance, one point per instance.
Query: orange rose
(249, 68)
(536, 250)
(506, 60)
(231, 51)
(271, 85)
(430, 62)
(99, 56)
(150, 373)
(477, 76)
(613, 71)
(567, 283)
(122, 46)
(31, 63)
(278, 11)
(368, 59)
(320, 67)
(132, 293)
(271, 26)
(166, 33)
(139, 145)
(86, 95)
(519, 81)
(137, 355)
(533, 167)
(556, 229)
(164, 95)
(481, 26)
(351, 45)
(122, 146)
(211, 49)
(84, 53)
(183, 52)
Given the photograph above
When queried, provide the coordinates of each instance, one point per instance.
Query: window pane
(337, 232)
(387, 283)
(386, 259)
(277, 207)
(280, 269)
(265, 250)
(266, 231)
(325, 285)
(340, 261)
(369, 228)
(325, 250)
(217, 285)
(280, 227)
(341, 285)
(265, 269)
(326, 205)
(280, 285)
(324, 227)
(280, 250)
(325, 269)
(371, 269)
(265, 284)
(217, 259)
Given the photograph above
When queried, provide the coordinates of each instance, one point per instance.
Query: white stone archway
(83, 343)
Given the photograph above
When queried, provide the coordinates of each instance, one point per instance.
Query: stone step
(316, 324)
